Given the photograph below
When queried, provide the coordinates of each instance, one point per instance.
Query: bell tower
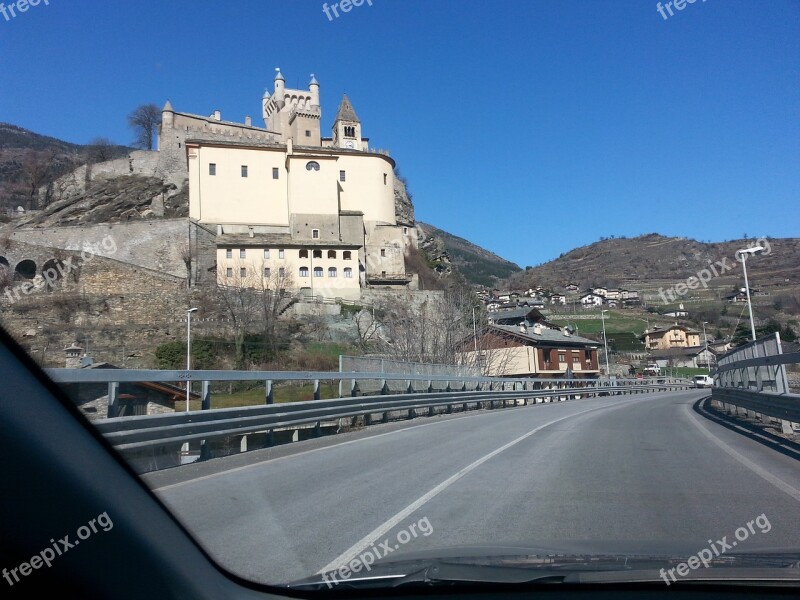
(347, 127)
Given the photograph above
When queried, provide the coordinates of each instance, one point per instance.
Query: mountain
(477, 265)
(29, 160)
(653, 260)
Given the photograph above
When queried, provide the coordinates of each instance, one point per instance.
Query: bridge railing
(752, 381)
(152, 442)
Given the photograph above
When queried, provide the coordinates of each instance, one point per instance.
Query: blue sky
(528, 127)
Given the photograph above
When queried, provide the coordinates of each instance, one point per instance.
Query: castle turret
(313, 87)
(167, 116)
(280, 87)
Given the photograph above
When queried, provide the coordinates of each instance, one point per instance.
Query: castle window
(229, 253)
(242, 253)
(349, 131)
(308, 133)
(267, 272)
(312, 165)
(229, 272)
(383, 252)
(317, 253)
(244, 170)
(266, 252)
(281, 253)
(331, 253)
(332, 272)
(315, 234)
(281, 272)
(317, 271)
(303, 254)
(405, 230)
(212, 168)
(303, 271)
(385, 178)
(243, 272)
(348, 273)
(275, 173)
(342, 176)
(346, 255)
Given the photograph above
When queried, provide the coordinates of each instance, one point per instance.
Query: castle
(292, 210)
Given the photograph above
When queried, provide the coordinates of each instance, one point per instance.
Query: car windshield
(388, 293)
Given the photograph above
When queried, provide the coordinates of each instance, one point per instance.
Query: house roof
(547, 336)
(674, 352)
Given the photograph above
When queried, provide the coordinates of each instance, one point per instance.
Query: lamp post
(744, 253)
(705, 338)
(189, 352)
(474, 330)
(605, 343)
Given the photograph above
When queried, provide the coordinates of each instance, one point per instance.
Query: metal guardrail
(753, 378)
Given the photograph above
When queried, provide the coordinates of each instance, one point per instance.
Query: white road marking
(387, 526)
(761, 472)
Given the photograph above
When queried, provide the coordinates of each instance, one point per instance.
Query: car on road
(703, 381)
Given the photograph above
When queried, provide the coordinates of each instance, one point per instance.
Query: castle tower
(347, 127)
(294, 114)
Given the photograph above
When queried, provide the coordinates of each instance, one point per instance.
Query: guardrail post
(386, 417)
(316, 389)
(270, 397)
(318, 428)
(384, 388)
(205, 396)
(430, 386)
(113, 400)
(411, 413)
(368, 419)
(409, 387)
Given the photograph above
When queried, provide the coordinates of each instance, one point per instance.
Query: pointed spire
(346, 112)
(278, 74)
(313, 80)
(167, 107)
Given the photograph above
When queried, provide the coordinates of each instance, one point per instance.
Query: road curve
(644, 470)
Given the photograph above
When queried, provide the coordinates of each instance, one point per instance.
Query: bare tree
(273, 298)
(101, 149)
(36, 170)
(239, 302)
(187, 258)
(144, 120)
(368, 327)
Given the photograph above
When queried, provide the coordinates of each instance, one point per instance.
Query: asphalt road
(633, 473)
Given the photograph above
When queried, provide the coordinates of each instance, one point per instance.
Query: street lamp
(474, 330)
(189, 352)
(744, 253)
(705, 338)
(605, 343)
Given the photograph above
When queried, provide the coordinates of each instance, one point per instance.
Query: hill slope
(477, 265)
(652, 260)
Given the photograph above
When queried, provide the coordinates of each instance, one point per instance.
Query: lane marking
(758, 470)
(354, 550)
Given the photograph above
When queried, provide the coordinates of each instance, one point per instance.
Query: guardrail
(753, 378)
(154, 441)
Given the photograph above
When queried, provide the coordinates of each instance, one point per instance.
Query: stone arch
(25, 270)
(53, 270)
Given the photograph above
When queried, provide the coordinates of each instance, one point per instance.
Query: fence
(369, 364)
(751, 381)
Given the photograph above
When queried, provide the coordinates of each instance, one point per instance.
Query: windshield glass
(358, 287)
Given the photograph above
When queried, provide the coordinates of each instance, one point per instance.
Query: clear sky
(529, 127)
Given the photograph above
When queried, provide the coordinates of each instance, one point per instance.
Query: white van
(703, 381)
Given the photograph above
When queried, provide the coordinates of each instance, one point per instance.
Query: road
(642, 471)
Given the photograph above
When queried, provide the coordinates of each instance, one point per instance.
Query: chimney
(248, 121)
(522, 327)
(217, 116)
(73, 358)
(537, 329)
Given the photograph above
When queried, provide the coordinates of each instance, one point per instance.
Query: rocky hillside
(650, 259)
(478, 265)
(29, 161)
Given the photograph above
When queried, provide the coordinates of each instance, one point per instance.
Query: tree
(36, 171)
(144, 120)
(101, 149)
(788, 334)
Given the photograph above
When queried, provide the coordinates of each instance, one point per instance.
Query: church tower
(347, 127)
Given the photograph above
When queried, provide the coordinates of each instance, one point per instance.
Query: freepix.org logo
(11, 10)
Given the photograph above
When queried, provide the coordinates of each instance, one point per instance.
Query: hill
(29, 161)
(652, 261)
(478, 265)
